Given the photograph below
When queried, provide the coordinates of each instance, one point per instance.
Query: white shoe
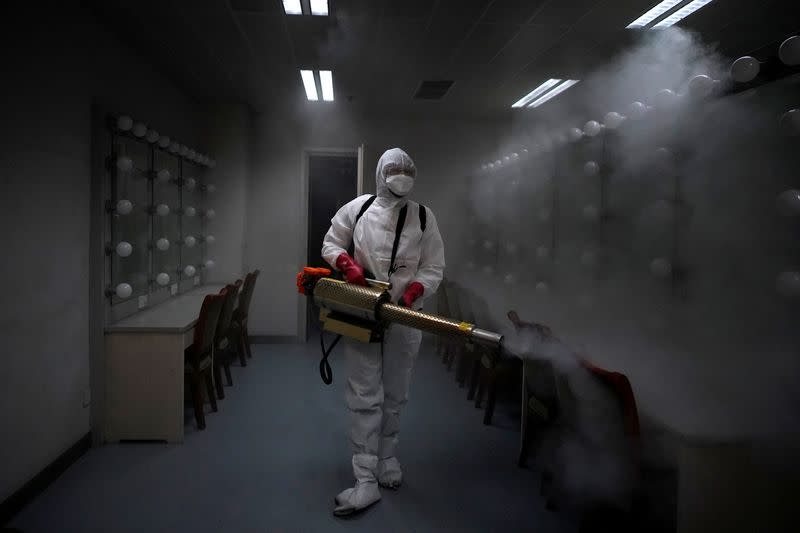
(365, 492)
(359, 497)
(389, 473)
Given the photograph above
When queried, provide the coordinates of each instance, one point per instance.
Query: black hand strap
(325, 371)
(401, 221)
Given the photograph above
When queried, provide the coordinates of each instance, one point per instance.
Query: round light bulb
(511, 248)
(189, 211)
(488, 245)
(210, 239)
(189, 271)
(190, 183)
(592, 128)
(788, 203)
(637, 110)
(542, 287)
(124, 290)
(140, 129)
(211, 213)
(701, 86)
(124, 163)
(509, 279)
(174, 147)
(788, 284)
(189, 241)
(660, 267)
(124, 249)
(574, 134)
(152, 136)
(590, 212)
(162, 210)
(664, 98)
(591, 168)
(162, 279)
(164, 141)
(125, 123)
(613, 120)
(211, 188)
(745, 69)
(162, 244)
(789, 52)
(124, 207)
(163, 175)
(210, 264)
(790, 122)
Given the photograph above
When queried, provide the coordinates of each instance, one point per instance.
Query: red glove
(413, 292)
(353, 272)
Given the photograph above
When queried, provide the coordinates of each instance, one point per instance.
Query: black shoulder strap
(423, 217)
(401, 221)
(364, 208)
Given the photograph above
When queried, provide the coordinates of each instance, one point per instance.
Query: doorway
(332, 182)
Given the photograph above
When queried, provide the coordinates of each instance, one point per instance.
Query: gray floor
(276, 453)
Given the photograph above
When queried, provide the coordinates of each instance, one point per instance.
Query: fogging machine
(365, 312)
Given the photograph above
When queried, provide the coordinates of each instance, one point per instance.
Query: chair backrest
(247, 293)
(207, 322)
(452, 301)
(227, 309)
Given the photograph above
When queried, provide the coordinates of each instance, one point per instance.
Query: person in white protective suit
(394, 240)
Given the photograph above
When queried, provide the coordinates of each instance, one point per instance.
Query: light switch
(173, 289)
(197, 280)
(142, 301)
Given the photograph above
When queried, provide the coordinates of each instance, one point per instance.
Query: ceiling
(380, 50)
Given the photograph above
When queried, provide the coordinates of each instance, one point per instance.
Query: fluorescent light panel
(292, 7)
(536, 93)
(326, 81)
(682, 13)
(555, 92)
(654, 13)
(309, 84)
(319, 7)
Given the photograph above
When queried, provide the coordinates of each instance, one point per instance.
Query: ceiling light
(326, 81)
(682, 13)
(318, 7)
(535, 93)
(309, 84)
(292, 7)
(555, 92)
(654, 13)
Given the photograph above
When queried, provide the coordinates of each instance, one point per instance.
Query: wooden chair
(222, 339)
(240, 315)
(199, 357)
(453, 349)
(496, 371)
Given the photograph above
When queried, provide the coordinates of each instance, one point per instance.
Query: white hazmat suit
(379, 375)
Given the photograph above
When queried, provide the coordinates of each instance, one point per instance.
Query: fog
(662, 259)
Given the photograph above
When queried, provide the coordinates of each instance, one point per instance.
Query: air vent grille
(433, 89)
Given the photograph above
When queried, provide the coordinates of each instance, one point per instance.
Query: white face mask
(400, 184)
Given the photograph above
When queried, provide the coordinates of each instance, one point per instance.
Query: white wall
(57, 63)
(276, 243)
(225, 130)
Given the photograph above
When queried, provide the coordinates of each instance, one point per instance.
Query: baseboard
(275, 339)
(17, 501)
